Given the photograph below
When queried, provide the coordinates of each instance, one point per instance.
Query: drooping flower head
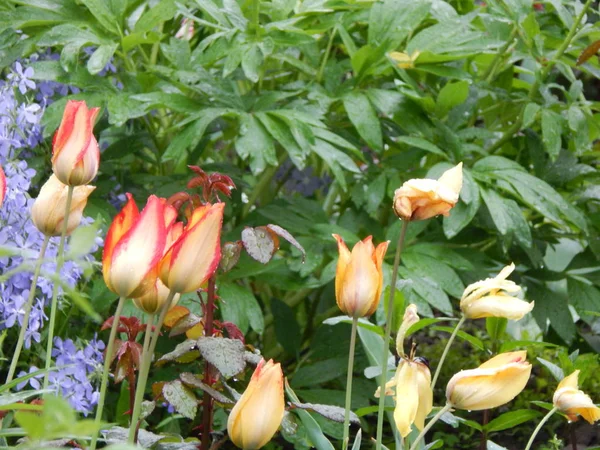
(574, 402)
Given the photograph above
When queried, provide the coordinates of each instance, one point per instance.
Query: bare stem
(435, 418)
(539, 427)
(349, 383)
(207, 400)
(446, 349)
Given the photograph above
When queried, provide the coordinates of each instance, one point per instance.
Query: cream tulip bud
(359, 277)
(48, 211)
(573, 402)
(491, 298)
(492, 384)
(257, 415)
(154, 299)
(422, 198)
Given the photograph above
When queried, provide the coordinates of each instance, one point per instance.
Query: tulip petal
(498, 306)
(361, 282)
(342, 264)
(138, 251)
(407, 397)
(571, 401)
(425, 396)
(504, 358)
(453, 178)
(120, 225)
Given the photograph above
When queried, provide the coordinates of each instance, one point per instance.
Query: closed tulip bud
(257, 415)
(422, 198)
(573, 402)
(410, 318)
(491, 298)
(359, 277)
(194, 255)
(492, 384)
(48, 211)
(133, 247)
(75, 152)
(2, 186)
(154, 299)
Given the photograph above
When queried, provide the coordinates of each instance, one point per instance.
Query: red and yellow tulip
(75, 152)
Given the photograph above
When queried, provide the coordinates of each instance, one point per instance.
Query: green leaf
(423, 144)
(227, 355)
(182, 398)
(255, 144)
(475, 342)
(556, 371)
(281, 132)
(427, 266)
(252, 61)
(100, 58)
(121, 108)
(68, 34)
(551, 132)
(495, 326)
(363, 117)
(428, 289)
(451, 95)
(287, 329)
(391, 21)
(82, 240)
(511, 419)
(463, 212)
(161, 12)
(336, 160)
(453, 37)
(495, 205)
(530, 113)
(102, 12)
(583, 296)
(240, 307)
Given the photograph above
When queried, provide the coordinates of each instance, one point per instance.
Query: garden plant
(294, 224)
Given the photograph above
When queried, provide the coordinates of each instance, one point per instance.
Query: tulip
(48, 211)
(359, 277)
(2, 186)
(133, 247)
(413, 394)
(492, 384)
(421, 198)
(154, 299)
(490, 298)
(258, 413)
(410, 318)
(75, 152)
(194, 255)
(573, 402)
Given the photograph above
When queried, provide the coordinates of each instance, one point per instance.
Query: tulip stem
(142, 378)
(28, 306)
(106, 370)
(60, 261)
(539, 427)
(349, 383)
(145, 366)
(435, 418)
(446, 349)
(387, 334)
(207, 400)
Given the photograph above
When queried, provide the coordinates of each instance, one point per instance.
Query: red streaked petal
(66, 126)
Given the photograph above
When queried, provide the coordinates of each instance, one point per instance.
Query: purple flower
(34, 381)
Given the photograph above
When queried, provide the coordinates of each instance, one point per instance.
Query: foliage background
(302, 104)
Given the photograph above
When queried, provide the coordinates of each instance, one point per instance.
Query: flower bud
(257, 415)
(359, 277)
(48, 211)
(490, 298)
(573, 402)
(410, 318)
(154, 299)
(75, 152)
(133, 247)
(195, 253)
(2, 186)
(422, 198)
(492, 384)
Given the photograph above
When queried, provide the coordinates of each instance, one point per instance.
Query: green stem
(28, 305)
(141, 384)
(145, 368)
(349, 383)
(435, 418)
(539, 427)
(446, 349)
(515, 127)
(106, 370)
(326, 56)
(387, 334)
(60, 261)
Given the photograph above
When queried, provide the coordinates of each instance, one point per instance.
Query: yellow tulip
(413, 394)
(573, 402)
(404, 60)
(257, 415)
(491, 298)
(359, 277)
(410, 318)
(422, 198)
(492, 384)
(48, 210)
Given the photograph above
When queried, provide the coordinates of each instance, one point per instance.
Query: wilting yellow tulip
(258, 413)
(410, 318)
(48, 211)
(75, 151)
(573, 402)
(422, 198)
(492, 384)
(359, 276)
(413, 394)
(490, 298)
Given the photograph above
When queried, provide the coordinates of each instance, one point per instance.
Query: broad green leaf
(362, 115)
(495, 326)
(391, 21)
(423, 144)
(287, 329)
(495, 205)
(511, 419)
(463, 212)
(161, 12)
(551, 132)
(451, 95)
(100, 58)
(252, 61)
(475, 342)
(103, 13)
(583, 296)
(530, 113)
(336, 160)
(227, 355)
(555, 370)
(255, 144)
(428, 266)
(428, 289)
(240, 307)
(452, 37)
(182, 398)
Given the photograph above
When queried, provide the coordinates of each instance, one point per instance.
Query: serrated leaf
(182, 398)
(194, 381)
(363, 116)
(184, 324)
(227, 355)
(281, 232)
(259, 244)
(182, 352)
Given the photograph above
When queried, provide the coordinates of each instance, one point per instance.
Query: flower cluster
(76, 375)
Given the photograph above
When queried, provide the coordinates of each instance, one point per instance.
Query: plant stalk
(446, 349)
(435, 418)
(387, 334)
(207, 400)
(106, 371)
(539, 427)
(28, 306)
(60, 261)
(349, 383)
